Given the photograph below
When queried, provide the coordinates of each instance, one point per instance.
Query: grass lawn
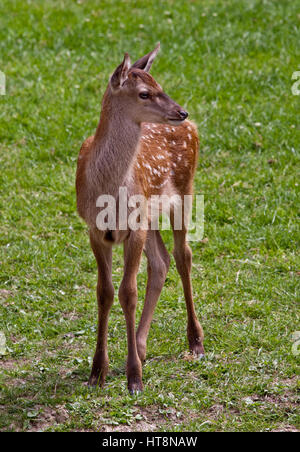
(230, 64)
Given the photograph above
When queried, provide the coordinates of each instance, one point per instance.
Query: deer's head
(140, 96)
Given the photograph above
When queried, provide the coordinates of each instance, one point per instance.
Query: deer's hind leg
(158, 266)
(105, 297)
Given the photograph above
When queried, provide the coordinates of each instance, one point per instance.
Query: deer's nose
(183, 114)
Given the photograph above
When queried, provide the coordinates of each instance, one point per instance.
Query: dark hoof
(135, 388)
(135, 392)
(197, 349)
(96, 380)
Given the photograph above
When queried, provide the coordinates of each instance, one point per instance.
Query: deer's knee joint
(105, 293)
(188, 255)
(159, 270)
(183, 258)
(128, 296)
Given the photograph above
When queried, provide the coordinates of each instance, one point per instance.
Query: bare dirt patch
(48, 417)
(141, 426)
(285, 401)
(216, 411)
(287, 383)
(15, 382)
(286, 428)
(9, 364)
(151, 421)
(4, 293)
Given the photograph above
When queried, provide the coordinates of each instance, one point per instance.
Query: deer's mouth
(176, 121)
(178, 117)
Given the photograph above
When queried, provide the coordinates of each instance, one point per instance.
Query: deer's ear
(120, 75)
(146, 61)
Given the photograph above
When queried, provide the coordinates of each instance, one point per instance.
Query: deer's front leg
(105, 297)
(183, 258)
(133, 248)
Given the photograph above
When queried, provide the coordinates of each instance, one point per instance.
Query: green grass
(230, 64)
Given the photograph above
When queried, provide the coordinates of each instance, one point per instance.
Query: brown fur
(129, 150)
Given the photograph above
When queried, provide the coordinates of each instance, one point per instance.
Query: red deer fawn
(143, 143)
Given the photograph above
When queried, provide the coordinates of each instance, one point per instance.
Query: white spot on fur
(162, 184)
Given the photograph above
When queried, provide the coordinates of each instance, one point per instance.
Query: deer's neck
(114, 149)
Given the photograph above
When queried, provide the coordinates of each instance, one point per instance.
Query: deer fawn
(143, 143)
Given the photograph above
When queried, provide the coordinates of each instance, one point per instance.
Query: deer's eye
(144, 95)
